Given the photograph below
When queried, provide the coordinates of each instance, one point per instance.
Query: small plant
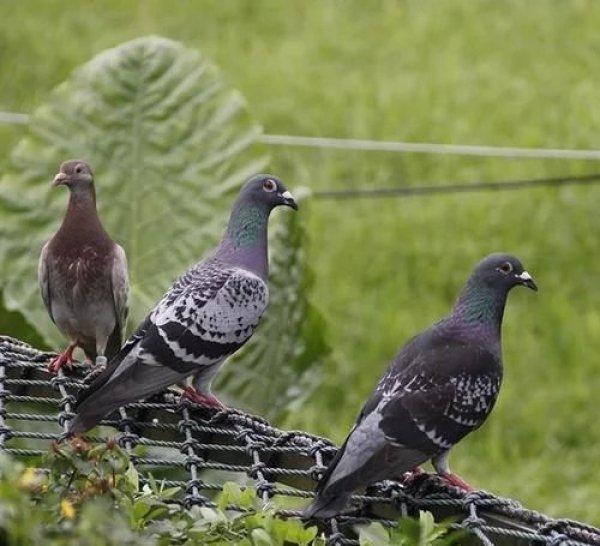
(411, 532)
(92, 496)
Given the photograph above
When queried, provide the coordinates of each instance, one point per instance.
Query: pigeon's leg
(63, 359)
(100, 349)
(440, 463)
(199, 392)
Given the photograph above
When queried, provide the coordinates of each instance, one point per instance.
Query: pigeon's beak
(527, 280)
(288, 199)
(59, 179)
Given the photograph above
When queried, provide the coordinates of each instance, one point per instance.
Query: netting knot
(125, 422)
(127, 439)
(65, 416)
(58, 380)
(253, 445)
(265, 487)
(68, 399)
(256, 468)
(472, 522)
(6, 432)
(193, 460)
(189, 443)
(243, 434)
(316, 472)
(184, 424)
(317, 446)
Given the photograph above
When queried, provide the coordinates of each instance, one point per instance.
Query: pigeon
(440, 387)
(207, 315)
(82, 274)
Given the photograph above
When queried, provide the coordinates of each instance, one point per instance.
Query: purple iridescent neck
(245, 241)
(477, 314)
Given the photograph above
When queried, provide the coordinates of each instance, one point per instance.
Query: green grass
(510, 73)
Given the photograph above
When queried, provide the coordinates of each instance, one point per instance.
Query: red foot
(209, 400)
(456, 481)
(63, 359)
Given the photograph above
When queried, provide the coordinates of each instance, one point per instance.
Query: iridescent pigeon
(442, 385)
(207, 315)
(82, 274)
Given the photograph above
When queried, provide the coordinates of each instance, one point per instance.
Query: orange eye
(269, 185)
(506, 268)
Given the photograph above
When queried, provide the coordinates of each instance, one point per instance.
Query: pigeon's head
(75, 174)
(503, 272)
(266, 189)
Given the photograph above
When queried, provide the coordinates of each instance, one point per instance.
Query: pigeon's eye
(506, 268)
(79, 169)
(269, 185)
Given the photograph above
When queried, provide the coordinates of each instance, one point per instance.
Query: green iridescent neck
(479, 303)
(248, 225)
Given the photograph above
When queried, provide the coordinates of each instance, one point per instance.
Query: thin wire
(14, 117)
(502, 185)
(18, 118)
(429, 148)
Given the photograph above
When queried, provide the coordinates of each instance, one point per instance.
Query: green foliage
(410, 532)
(170, 144)
(91, 497)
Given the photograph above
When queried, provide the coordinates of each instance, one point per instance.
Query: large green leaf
(170, 146)
(169, 143)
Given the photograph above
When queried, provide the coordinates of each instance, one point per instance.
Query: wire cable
(430, 148)
(501, 185)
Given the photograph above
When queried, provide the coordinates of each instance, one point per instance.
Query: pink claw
(63, 359)
(197, 397)
(456, 481)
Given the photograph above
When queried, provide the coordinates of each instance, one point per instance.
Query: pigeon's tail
(123, 386)
(326, 506)
(113, 346)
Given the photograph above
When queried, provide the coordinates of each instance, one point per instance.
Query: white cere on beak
(287, 195)
(524, 276)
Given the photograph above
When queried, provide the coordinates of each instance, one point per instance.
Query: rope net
(198, 449)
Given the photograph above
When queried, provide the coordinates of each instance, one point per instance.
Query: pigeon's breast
(80, 292)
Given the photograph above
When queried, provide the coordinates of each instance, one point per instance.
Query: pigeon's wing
(448, 391)
(210, 314)
(44, 279)
(120, 286)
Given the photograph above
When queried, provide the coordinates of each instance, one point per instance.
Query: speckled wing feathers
(210, 312)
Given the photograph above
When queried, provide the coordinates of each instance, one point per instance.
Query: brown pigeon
(83, 274)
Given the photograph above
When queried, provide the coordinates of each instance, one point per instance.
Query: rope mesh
(197, 449)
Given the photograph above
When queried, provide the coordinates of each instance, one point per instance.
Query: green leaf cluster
(92, 496)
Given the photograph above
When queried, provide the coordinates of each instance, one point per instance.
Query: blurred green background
(509, 73)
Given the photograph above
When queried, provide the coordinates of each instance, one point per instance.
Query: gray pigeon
(440, 387)
(82, 274)
(207, 315)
